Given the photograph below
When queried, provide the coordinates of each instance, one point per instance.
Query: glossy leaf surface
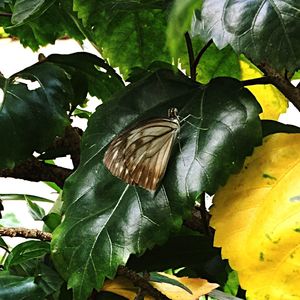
(26, 10)
(102, 80)
(266, 31)
(32, 111)
(17, 287)
(36, 211)
(24, 258)
(105, 219)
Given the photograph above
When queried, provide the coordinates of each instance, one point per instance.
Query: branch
(5, 14)
(282, 84)
(122, 271)
(25, 233)
(141, 282)
(68, 144)
(35, 170)
(204, 216)
(199, 221)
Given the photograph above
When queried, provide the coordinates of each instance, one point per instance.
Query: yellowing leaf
(124, 287)
(257, 220)
(269, 97)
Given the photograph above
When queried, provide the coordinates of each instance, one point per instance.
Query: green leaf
(21, 288)
(137, 73)
(265, 31)
(115, 219)
(33, 111)
(54, 186)
(48, 279)
(56, 22)
(296, 76)
(214, 62)
(81, 113)
(232, 284)
(52, 220)
(129, 33)
(24, 197)
(9, 220)
(27, 259)
(180, 22)
(26, 10)
(164, 279)
(102, 80)
(3, 245)
(35, 210)
(24, 258)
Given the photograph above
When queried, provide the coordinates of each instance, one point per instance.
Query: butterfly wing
(140, 155)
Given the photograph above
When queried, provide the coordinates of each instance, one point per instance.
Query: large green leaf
(25, 10)
(17, 287)
(102, 79)
(33, 112)
(105, 219)
(266, 31)
(129, 33)
(42, 25)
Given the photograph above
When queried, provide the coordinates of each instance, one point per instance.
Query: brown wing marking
(140, 155)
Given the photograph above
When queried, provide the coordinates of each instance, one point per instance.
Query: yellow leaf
(269, 97)
(257, 220)
(124, 287)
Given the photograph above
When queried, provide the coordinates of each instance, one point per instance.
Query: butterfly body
(140, 155)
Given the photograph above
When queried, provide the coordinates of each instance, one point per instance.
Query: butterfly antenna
(184, 120)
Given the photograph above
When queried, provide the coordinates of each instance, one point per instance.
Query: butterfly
(140, 154)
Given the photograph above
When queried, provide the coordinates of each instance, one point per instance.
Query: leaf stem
(191, 55)
(193, 62)
(255, 81)
(36, 170)
(199, 56)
